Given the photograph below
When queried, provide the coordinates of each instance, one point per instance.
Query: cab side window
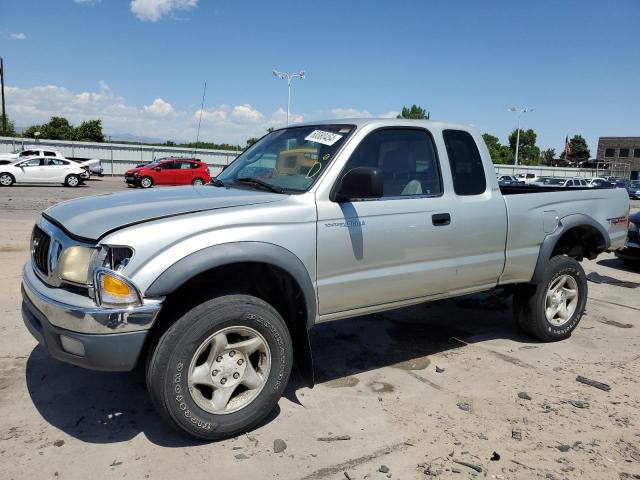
(466, 164)
(407, 158)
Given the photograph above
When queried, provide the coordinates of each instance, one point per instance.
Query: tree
(415, 113)
(528, 152)
(11, 128)
(58, 128)
(579, 149)
(251, 141)
(548, 155)
(270, 129)
(30, 132)
(89, 131)
(499, 153)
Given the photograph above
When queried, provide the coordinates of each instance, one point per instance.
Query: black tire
(170, 359)
(529, 301)
(72, 181)
(6, 179)
(197, 181)
(146, 182)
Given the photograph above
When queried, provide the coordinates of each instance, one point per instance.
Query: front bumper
(131, 180)
(82, 334)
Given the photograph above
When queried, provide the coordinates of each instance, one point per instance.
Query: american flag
(567, 146)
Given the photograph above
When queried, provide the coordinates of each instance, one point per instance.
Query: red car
(169, 171)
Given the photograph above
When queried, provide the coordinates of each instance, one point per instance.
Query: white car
(527, 178)
(43, 170)
(30, 152)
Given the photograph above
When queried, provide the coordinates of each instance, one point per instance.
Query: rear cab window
(466, 164)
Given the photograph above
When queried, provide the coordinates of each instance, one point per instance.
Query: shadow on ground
(100, 407)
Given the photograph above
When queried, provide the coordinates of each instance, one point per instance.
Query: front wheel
(72, 181)
(146, 182)
(552, 309)
(221, 368)
(6, 180)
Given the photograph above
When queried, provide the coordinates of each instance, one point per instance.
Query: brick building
(622, 153)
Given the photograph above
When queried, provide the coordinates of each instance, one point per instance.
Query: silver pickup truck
(216, 287)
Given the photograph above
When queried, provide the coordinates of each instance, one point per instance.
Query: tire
(6, 179)
(146, 182)
(197, 182)
(534, 304)
(189, 352)
(72, 181)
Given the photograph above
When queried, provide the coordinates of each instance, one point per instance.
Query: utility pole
(289, 78)
(519, 111)
(4, 112)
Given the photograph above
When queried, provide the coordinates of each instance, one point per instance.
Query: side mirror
(360, 183)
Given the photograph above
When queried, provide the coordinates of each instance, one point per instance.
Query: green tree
(548, 155)
(270, 129)
(414, 112)
(89, 131)
(30, 132)
(251, 141)
(58, 128)
(579, 149)
(11, 128)
(499, 153)
(528, 152)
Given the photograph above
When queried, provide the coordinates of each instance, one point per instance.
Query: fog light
(72, 346)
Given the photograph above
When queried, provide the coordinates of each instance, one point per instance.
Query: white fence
(117, 158)
(549, 171)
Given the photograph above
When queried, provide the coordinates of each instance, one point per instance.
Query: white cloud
(159, 107)
(246, 112)
(18, 36)
(349, 113)
(279, 118)
(390, 114)
(154, 10)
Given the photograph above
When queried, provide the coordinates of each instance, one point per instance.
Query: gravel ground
(448, 390)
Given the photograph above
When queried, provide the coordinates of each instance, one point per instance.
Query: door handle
(440, 219)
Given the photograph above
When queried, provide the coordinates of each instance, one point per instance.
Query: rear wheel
(221, 368)
(197, 181)
(6, 179)
(146, 182)
(72, 181)
(552, 309)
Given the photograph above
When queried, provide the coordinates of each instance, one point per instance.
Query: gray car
(214, 288)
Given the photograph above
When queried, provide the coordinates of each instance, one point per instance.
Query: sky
(141, 65)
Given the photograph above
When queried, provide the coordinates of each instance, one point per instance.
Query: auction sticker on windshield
(320, 136)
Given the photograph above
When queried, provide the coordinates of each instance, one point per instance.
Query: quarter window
(407, 158)
(466, 164)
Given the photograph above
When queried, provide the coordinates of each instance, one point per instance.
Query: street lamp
(289, 77)
(520, 111)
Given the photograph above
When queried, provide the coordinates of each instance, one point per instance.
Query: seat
(396, 170)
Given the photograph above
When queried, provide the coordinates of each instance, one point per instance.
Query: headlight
(74, 264)
(112, 289)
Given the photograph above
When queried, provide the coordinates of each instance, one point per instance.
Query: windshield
(290, 159)
(554, 181)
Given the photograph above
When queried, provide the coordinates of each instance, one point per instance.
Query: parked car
(30, 152)
(601, 183)
(633, 189)
(527, 178)
(630, 254)
(4, 161)
(593, 179)
(507, 178)
(92, 165)
(175, 171)
(43, 170)
(214, 289)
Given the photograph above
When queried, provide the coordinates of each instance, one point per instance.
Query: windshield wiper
(259, 183)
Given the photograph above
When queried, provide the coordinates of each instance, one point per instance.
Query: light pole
(520, 111)
(289, 77)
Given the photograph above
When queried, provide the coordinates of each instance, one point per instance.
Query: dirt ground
(447, 390)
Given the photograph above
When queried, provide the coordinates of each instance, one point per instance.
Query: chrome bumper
(77, 313)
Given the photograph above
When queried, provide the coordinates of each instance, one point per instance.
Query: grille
(40, 250)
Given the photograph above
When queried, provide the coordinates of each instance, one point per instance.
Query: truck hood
(93, 217)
